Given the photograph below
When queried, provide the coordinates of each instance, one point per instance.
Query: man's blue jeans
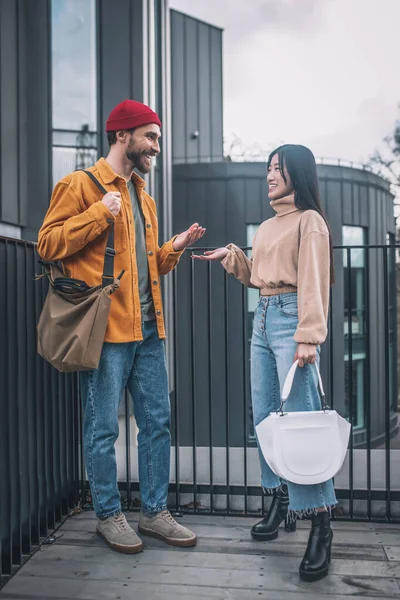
(272, 354)
(141, 367)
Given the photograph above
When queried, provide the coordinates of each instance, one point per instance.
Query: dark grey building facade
(231, 200)
(64, 64)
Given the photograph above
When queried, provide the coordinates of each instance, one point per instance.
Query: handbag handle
(287, 386)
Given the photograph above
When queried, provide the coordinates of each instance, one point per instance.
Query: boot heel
(290, 526)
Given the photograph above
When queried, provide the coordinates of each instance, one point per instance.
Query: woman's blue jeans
(272, 354)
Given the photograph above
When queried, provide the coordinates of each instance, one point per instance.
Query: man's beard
(138, 159)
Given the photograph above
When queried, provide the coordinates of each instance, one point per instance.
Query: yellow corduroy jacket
(75, 231)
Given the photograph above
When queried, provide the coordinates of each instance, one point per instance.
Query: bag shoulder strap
(108, 267)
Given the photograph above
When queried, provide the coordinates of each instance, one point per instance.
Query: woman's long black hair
(302, 169)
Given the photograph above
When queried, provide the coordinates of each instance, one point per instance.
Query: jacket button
(150, 253)
(109, 220)
(158, 313)
(155, 282)
(148, 225)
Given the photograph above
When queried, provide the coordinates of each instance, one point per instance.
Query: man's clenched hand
(113, 202)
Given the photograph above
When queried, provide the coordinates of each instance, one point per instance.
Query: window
(355, 285)
(358, 388)
(74, 85)
(355, 324)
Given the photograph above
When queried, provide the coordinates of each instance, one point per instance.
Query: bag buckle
(106, 280)
(110, 251)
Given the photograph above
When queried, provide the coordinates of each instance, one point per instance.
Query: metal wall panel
(252, 208)
(216, 94)
(205, 89)
(9, 125)
(192, 87)
(177, 86)
(356, 203)
(335, 344)
(120, 58)
(36, 150)
(196, 71)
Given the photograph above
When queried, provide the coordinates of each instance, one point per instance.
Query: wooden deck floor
(225, 565)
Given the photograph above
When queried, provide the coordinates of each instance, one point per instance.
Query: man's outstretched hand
(188, 238)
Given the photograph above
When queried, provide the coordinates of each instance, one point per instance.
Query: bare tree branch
(387, 159)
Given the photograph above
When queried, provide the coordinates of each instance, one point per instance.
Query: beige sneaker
(119, 535)
(164, 527)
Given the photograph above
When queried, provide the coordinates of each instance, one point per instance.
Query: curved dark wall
(225, 198)
(237, 193)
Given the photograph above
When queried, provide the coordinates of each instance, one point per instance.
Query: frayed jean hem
(294, 514)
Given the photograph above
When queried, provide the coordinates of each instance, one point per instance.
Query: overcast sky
(325, 73)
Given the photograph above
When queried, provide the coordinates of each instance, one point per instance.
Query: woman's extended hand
(218, 254)
(306, 353)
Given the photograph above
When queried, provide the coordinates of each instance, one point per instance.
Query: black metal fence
(214, 456)
(39, 435)
(215, 463)
(216, 466)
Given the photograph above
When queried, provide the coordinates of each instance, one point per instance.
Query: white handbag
(305, 447)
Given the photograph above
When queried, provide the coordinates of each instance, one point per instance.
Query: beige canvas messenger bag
(73, 321)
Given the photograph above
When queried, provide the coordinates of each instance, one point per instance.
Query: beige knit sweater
(290, 254)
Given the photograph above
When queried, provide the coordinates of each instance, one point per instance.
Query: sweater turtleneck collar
(284, 206)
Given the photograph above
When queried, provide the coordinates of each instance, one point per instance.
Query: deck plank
(190, 558)
(242, 521)
(197, 577)
(226, 564)
(346, 536)
(64, 589)
(280, 547)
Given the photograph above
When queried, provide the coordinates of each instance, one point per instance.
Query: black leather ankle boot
(267, 529)
(315, 564)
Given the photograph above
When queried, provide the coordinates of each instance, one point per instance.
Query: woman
(293, 269)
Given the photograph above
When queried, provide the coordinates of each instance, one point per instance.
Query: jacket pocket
(120, 238)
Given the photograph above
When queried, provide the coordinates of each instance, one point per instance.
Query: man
(75, 231)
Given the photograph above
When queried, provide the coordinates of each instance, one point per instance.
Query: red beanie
(130, 114)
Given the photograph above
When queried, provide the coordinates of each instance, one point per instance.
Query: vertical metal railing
(350, 381)
(230, 484)
(245, 404)
(210, 387)
(194, 389)
(387, 375)
(176, 406)
(227, 391)
(368, 397)
(39, 415)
